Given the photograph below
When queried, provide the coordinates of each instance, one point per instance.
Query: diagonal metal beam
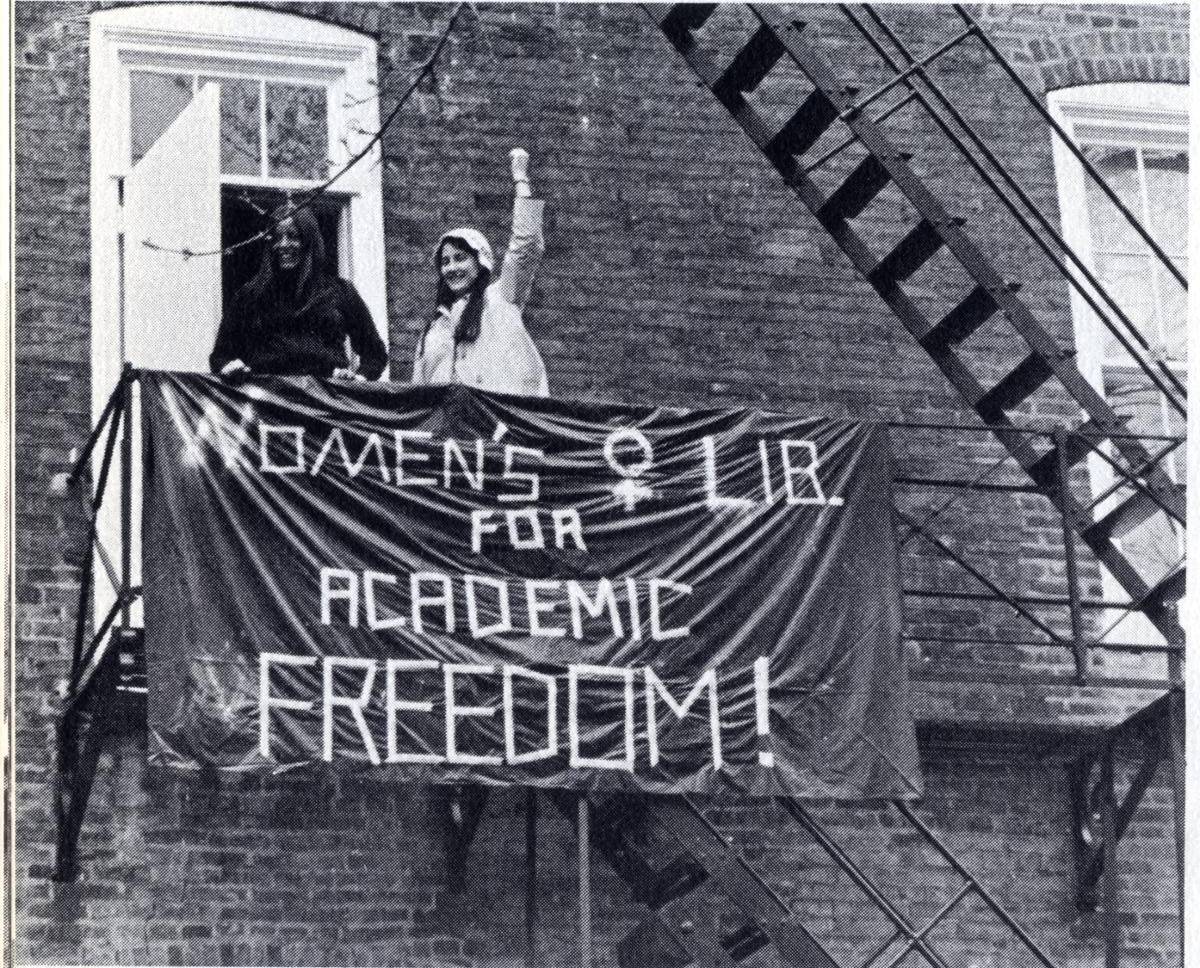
(996, 907)
(983, 579)
(813, 827)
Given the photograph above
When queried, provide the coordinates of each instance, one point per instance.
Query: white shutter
(173, 202)
(170, 302)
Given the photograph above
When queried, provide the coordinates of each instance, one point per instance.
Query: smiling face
(287, 244)
(459, 267)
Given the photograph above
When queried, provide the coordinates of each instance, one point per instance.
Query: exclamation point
(762, 706)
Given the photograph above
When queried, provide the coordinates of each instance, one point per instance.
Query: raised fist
(519, 158)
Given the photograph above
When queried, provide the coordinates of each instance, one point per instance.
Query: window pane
(1109, 229)
(155, 100)
(1136, 399)
(240, 125)
(1167, 188)
(1174, 313)
(1127, 279)
(297, 132)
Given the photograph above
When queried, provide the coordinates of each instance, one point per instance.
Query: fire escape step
(1015, 388)
(1078, 445)
(1127, 516)
(749, 66)
(682, 18)
(960, 322)
(912, 252)
(745, 941)
(1168, 591)
(814, 116)
(854, 194)
(691, 914)
(681, 876)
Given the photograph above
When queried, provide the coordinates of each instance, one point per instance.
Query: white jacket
(504, 358)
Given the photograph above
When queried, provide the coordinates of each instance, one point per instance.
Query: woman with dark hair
(294, 318)
(478, 336)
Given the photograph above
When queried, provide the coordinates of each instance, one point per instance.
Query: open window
(1136, 135)
(203, 119)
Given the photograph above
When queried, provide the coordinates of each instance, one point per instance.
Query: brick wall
(678, 262)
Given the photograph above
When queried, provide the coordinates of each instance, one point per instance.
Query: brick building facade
(678, 269)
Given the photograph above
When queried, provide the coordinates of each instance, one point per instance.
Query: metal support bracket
(81, 735)
(1091, 785)
(464, 808)
(88, 707)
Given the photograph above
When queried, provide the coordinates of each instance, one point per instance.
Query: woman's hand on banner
(350, 370)
(235, 371)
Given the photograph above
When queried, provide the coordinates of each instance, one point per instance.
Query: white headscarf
(472, 239)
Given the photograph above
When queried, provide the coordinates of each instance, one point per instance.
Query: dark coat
(309, 340)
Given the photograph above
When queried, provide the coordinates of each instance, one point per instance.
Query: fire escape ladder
(708, 906)
(690, 877)
(833, 102)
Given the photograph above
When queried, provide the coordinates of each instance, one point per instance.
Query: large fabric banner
(434, 583)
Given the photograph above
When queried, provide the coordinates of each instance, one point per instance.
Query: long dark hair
(273, 292)
(471, 321)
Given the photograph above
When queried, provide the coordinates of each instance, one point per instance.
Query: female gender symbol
(630, 490)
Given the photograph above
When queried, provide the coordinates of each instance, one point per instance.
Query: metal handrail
(1072, 146)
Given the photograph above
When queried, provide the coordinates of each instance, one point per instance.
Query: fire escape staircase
(833, 101)
(709, 906)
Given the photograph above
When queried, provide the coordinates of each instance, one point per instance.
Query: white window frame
(211, 39)
(1149, 114)
(220, 40)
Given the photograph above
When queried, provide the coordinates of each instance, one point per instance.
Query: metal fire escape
(833, 101)
(689, 866)
(680, 863)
